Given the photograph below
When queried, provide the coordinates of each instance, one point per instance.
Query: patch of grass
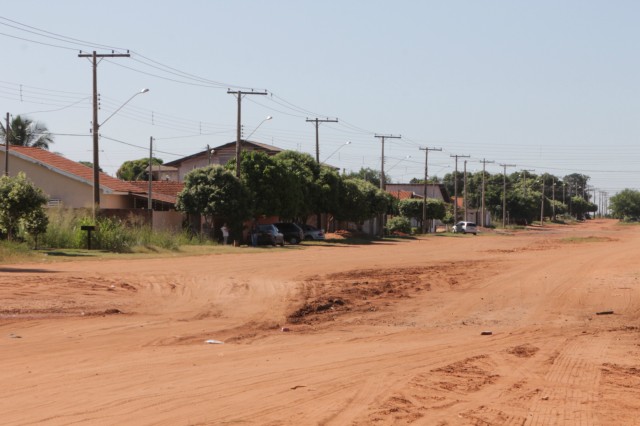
(14, 252)
(591, 239)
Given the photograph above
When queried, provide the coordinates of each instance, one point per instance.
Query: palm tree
(25, 132)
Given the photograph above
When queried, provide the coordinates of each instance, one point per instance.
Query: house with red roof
(70, 184)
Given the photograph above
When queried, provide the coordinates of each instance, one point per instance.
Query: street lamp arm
(122, 106)
(258, 126)
(339, 148)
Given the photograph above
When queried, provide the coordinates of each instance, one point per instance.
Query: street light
(96, 150)
(399, 161)
(334, 152)
(258, 126)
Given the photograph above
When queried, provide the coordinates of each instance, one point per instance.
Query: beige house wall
(70, 191)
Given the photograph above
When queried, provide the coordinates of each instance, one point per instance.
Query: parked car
(311, 232)
(292, 233)
(465, 228)
(269, 235)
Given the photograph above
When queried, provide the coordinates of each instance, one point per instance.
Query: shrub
(399, 224)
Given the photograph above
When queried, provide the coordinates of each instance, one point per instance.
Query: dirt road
(381, 334)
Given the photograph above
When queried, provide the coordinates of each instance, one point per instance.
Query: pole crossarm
(317, 122)
(382, 138)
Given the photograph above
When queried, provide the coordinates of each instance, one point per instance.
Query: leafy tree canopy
(625, 204)
(136, 169)
(370, 175)
(215, 192)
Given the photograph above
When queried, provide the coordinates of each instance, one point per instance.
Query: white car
(465, 228)
(312, 233)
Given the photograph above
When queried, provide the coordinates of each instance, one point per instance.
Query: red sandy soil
(381, 334)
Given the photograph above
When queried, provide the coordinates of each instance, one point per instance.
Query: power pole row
(426, 177)
(504, 192)
(455, 187)
(382, 178)
(484, 166)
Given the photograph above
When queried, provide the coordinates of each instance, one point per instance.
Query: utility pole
(464, 190)
(382, 138)
(426, 177)
(524, 175)
(484, 165)
(317, 122)
(150, 199)
(239, 94)
(95, 126)
(455, 187)
(383, 184)
(504, 192)
(7, 131)
(542, 206)
(553, 198)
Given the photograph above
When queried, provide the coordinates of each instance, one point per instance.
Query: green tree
(580, 206)
(365, 173)
(36, 223)
(301, 193)
(25, 132)
(361, 200)
(215, 192)
(19, 199)
(136, 169)
(625, 204)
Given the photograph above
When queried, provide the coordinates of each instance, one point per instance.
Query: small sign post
(89, 229)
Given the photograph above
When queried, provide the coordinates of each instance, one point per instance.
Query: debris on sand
(214, 342)
(604, 313)
(486, 333)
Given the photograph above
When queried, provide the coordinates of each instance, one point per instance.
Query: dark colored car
(311, 232)
(292, 233)
(269, 235)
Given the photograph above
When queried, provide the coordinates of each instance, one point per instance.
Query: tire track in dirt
(571, 384)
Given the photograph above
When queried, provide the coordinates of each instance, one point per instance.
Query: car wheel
(293, 240)
(308, 238)
(475, 233)
(281, 243)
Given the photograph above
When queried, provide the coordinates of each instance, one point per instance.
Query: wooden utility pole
(464, 191)
(426, 177)
(239, 94)
(504, 192)
(95, 126)
(382, 138)
(484, 166)
(317, 122)
(7, 131)
(455, 187)
(383, 184)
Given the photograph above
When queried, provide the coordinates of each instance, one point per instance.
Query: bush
(399, 224)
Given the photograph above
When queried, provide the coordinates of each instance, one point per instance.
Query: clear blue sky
(546, 85)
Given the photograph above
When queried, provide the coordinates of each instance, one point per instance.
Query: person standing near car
(225, 233)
